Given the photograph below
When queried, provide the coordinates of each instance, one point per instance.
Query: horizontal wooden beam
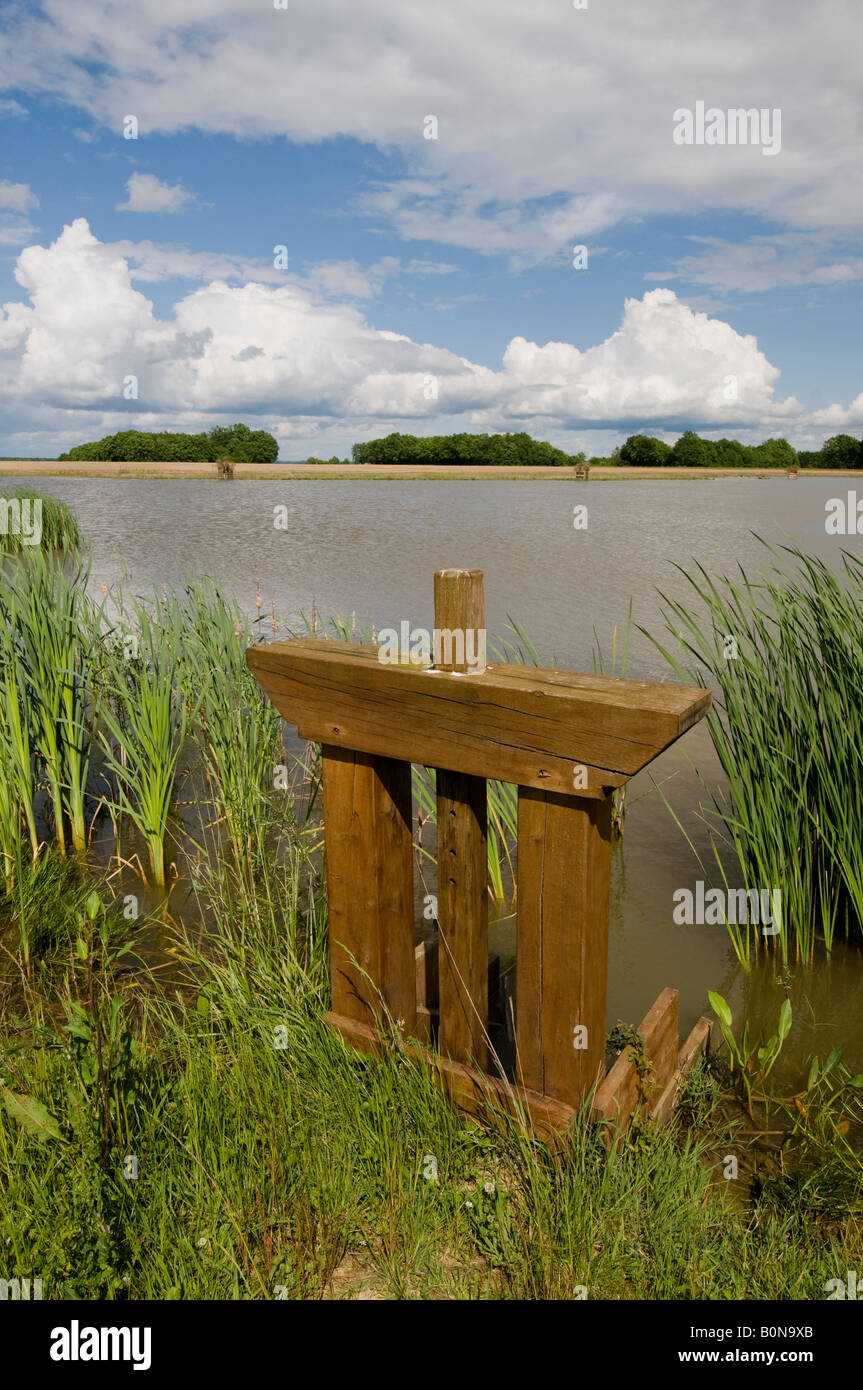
(514, 723)
(620, 1094)
(470, 1089)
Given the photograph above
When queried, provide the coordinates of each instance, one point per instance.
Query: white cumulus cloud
(146, 193)
(18, 196)
(283, 351)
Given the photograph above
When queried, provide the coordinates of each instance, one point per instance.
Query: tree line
(235, 442)
(691, 451)
(503, 450)
(243, 445)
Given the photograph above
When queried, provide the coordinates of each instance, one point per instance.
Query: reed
(17, 770)
(144, 717)
(236, 729)
(48, 618)
(785, 655)
(59, 526)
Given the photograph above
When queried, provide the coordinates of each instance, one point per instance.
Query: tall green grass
(235, 727)
(786, 655)
(144, 720)
(17, 770)
(46, 619)
(274, 1162)
(60, 531)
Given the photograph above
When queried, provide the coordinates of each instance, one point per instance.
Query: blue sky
(722, 289)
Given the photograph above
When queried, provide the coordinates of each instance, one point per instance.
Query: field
(44, 468)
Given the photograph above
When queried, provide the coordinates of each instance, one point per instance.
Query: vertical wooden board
(532, 807)
(618, 1096)
(462, 851)
(564, 867)
(367, 833)
(660, 1029)
(462, 859)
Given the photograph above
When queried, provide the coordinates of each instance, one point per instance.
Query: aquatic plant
(785, 654)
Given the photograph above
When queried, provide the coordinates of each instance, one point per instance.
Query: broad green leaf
(720, 1008)
(784, 1020)
(32, 1114)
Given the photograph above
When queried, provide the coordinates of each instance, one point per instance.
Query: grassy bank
(272, 1162)
(36, 468)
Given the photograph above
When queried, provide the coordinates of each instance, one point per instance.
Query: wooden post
(564, 862)
(462, 853)
(367, 831)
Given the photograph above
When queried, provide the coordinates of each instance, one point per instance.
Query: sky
(333, 221)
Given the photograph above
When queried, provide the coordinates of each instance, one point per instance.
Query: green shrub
(235, 442)
(645, 451)
(501, 450)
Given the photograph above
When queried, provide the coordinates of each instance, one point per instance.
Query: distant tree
(691, 451)
(645, 451)
(842, 451)
(512, 450)
(775, 453)
(237, 443)
(730, 453)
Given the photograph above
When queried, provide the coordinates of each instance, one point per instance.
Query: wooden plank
(469, 1088)
(462, 902)
(697, 1042)
(615, 1101)
(512, 723)
(618, 1096)
(660, 1029)
(617, 694)
(369, 855)
(462, 850)
(564, 864)
(623, 1092)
